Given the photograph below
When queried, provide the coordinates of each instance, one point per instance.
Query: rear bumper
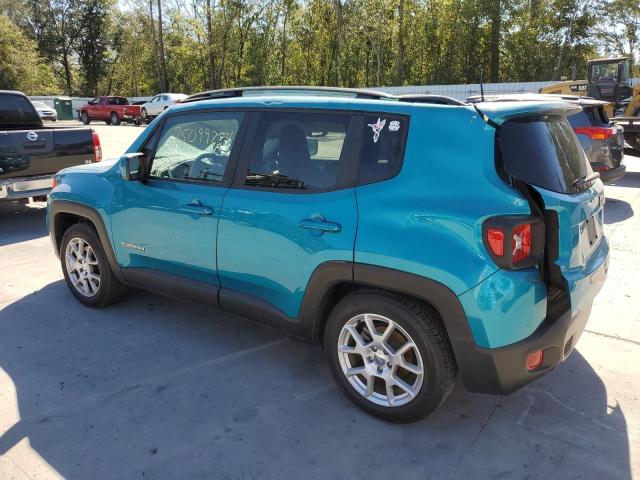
(613, 174)
(19, 188)
(503, 370)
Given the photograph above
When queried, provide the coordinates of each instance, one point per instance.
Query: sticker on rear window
(394, 126)
(377, 128)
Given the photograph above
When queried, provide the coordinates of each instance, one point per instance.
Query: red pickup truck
(112, 110)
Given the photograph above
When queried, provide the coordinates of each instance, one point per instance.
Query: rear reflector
(97, 149)
(521, 242)
(595, 133)
(534, 360)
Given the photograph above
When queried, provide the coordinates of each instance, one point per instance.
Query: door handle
(197, 208)
(319, 223)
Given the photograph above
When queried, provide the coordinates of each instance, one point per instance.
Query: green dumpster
(63, 108)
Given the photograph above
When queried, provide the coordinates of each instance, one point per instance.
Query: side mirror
(133, 166)
(312, 143)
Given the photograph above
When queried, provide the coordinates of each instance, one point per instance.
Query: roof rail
(289, 90)
(428, 98)
(521, 96)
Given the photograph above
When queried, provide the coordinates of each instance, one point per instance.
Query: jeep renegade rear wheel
(389, 355)
(86, 268)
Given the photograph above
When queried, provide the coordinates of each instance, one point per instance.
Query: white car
(45, 111)
(159, 104)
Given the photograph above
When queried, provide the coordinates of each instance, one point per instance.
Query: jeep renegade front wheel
(86, 268)
(389, 355)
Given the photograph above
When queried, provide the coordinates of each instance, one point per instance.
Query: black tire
(111, 289)
(115, 119)
(84, 118)
(144, 114)
(422, 324)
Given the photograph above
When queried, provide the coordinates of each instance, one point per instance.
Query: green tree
(20, 66)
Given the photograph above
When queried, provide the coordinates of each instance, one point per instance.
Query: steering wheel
(208, 164)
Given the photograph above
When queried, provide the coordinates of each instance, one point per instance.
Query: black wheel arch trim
(57, 207)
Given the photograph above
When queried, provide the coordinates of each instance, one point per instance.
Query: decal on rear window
(377, 128)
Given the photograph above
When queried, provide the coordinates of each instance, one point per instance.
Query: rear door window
(301, 151)
(383, 144)
(543, 152)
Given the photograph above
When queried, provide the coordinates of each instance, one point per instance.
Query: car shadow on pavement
(617, 211)
(20, 222)
(157, 388)
(630, 179)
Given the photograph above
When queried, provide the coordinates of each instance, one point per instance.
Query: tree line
(142, 47)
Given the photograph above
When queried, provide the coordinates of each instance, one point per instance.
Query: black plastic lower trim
(174, 286)
(83, 211)
(499, 371)
(503, 370)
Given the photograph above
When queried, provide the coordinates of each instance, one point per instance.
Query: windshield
(604, 72)
(16, 110)
(545, 152)
(40, 105)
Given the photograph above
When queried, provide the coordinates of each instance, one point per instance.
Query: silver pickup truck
(31, 154)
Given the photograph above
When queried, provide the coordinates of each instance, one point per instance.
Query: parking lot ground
(156, 388)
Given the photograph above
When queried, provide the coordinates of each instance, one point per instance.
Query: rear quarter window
(383, 146)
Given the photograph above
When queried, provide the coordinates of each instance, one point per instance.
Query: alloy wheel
(380, 360)
(82, 267)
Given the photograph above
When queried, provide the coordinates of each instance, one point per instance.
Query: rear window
(543, 152)
(16, 110)
(579, 119)
(117, 101)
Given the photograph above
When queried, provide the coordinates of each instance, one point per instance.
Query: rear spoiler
(496, 113)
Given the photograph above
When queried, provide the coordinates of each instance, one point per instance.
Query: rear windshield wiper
(583, 180)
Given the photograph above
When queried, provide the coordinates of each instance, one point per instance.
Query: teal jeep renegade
(416, 238)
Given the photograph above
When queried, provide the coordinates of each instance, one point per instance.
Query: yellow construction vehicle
(608, 79)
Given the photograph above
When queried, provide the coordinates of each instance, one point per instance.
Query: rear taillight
(495, 239)
(97, 149)
(596, 133)
(514, 241)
